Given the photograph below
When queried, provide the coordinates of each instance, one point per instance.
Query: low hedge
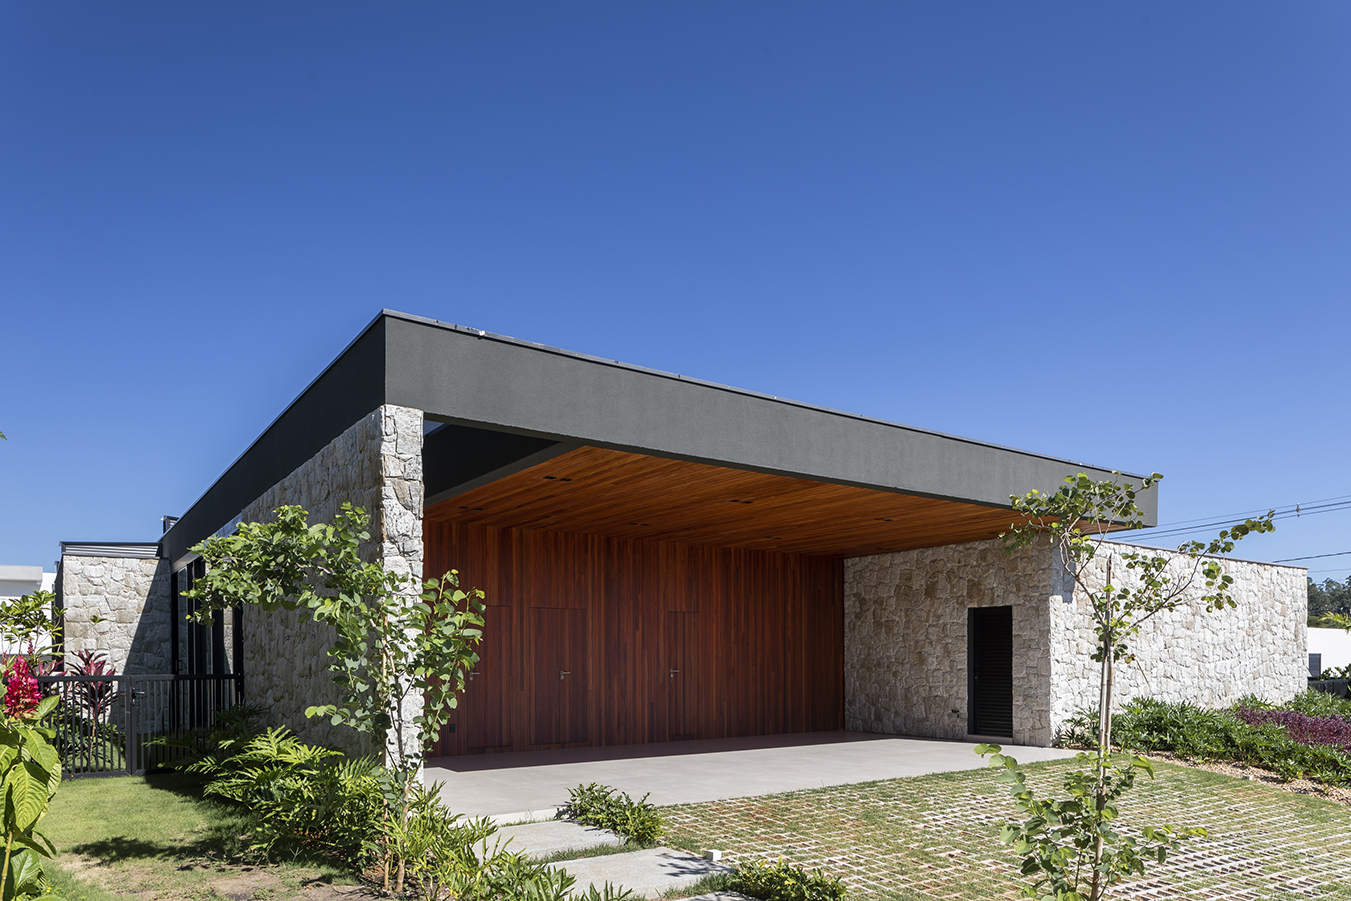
(1307, 738)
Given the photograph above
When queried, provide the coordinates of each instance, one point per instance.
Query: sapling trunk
(1105, 677)
(384, 681)
(9, 846)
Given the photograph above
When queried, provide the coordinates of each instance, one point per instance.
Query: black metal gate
(104, 724)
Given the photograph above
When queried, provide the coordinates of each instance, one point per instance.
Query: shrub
(1310, 742)
(1184, 729)
(1314, 703)
(448, 857)
(783, 881)
(601, 806)
(30, 772)
(301, 798)
(210, 746)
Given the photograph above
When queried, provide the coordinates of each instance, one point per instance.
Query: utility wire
(1330, 505)
(1314, 557)
(1240, 517)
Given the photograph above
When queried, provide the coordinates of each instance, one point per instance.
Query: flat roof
(488, 383)
(139, 549)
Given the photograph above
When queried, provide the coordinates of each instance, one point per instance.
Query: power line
(1240, 517)
(1331, 505)
(1314, 557)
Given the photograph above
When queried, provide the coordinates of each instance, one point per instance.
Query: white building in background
(17, 581)
(1333, 647)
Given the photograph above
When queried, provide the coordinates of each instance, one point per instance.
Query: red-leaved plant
(95, 697)
(1333, 731)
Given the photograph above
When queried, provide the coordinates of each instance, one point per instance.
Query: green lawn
(935, 837)
(151, 837)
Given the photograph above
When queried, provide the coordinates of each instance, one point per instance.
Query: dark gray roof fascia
(618, 364)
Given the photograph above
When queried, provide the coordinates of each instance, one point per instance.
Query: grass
(935, 837)
(154, 837)
(583, 853)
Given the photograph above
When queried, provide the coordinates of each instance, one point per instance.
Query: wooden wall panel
(757, 638)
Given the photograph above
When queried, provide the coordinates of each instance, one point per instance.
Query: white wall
(1333, 644)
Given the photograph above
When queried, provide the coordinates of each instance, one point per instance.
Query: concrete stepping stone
(543, 839)
(649, 872)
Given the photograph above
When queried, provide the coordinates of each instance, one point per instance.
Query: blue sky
(1116, 234)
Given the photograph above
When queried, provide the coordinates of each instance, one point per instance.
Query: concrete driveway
(693, 771)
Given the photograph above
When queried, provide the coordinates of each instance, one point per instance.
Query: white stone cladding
(906, 653)
(1208, 659)
(905, 670)
(376, 464)
(129, 597)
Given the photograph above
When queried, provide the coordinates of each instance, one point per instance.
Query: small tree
(392, 645)
(25, 621)
(1070, 847)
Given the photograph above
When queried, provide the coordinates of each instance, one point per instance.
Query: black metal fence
(1339, 687)
(104, 724)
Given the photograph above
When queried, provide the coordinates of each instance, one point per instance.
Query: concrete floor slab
(693, 771)
(543, 839)
(648, 873)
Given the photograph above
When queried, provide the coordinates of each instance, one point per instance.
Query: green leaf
(46, 706)
(25, 874)
(45, 756)
(38, 842)
(26, 795)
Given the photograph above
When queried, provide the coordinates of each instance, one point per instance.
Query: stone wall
(905, 668)
(906, 653)
(1209, 659)
(376, 464)
(129, 598)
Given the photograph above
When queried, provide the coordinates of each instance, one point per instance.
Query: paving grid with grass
(937, 836)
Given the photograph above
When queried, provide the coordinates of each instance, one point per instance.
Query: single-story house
(665, 558)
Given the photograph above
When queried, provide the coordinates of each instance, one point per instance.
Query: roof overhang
(519, 412)
(626, 495)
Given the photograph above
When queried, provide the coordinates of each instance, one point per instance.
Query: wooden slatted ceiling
(626, 495)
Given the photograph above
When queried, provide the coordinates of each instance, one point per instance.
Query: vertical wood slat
(760, 632)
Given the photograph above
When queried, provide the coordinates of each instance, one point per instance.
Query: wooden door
(560, 675)
(989, 638)
(683, 676)
(487, 696)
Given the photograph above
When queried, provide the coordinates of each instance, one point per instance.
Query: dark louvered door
(989, 632)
